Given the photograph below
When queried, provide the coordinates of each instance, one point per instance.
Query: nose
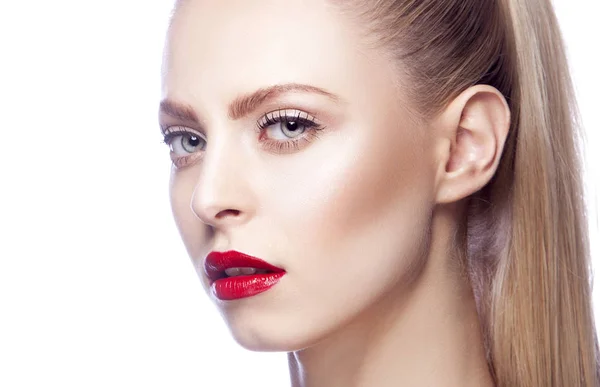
(222, 196)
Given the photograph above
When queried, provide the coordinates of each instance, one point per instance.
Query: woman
(389, 191)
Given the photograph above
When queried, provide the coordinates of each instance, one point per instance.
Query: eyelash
(311, 132)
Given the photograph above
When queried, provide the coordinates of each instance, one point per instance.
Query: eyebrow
(244, 104)
(178, 110)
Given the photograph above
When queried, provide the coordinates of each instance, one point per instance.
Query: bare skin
(362, 212)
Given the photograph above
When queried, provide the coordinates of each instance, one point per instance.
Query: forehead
(229, 46)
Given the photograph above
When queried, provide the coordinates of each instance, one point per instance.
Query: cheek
(356, 184)
(380, 184)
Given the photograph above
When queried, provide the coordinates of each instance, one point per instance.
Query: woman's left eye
(285, 129)
(287, 124)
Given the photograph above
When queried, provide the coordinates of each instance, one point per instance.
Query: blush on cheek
(380, 183)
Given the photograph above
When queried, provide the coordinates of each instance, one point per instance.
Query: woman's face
(339, 194)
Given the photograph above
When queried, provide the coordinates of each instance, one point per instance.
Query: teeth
(236, 271)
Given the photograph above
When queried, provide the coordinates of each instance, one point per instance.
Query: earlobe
(473, 129)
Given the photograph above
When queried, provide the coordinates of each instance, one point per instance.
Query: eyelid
(173, 131)
(277, 115)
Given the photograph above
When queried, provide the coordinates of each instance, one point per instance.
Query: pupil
(194, 141)
(291, 125)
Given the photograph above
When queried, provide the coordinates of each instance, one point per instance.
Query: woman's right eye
(183, 142)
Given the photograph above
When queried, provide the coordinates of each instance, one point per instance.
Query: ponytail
(541, 329)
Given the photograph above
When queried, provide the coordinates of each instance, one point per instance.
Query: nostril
(227, 213)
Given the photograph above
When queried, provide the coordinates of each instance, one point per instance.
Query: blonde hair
(526, 233)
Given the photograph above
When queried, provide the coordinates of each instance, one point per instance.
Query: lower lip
(233, 288)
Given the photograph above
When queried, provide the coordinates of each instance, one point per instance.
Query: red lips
(240, 286)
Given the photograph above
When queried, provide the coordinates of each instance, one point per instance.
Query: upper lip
(217, 262)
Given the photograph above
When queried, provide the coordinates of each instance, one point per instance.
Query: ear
(471, 133)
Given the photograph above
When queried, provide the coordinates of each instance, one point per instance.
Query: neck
(427, 336)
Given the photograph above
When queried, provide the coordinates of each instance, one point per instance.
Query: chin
(256, 334)
(268, 340)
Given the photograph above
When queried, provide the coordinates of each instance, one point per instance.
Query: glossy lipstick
(227, 288)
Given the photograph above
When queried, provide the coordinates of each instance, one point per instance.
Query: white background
(95, 286)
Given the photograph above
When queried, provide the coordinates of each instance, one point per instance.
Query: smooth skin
(362, 216)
